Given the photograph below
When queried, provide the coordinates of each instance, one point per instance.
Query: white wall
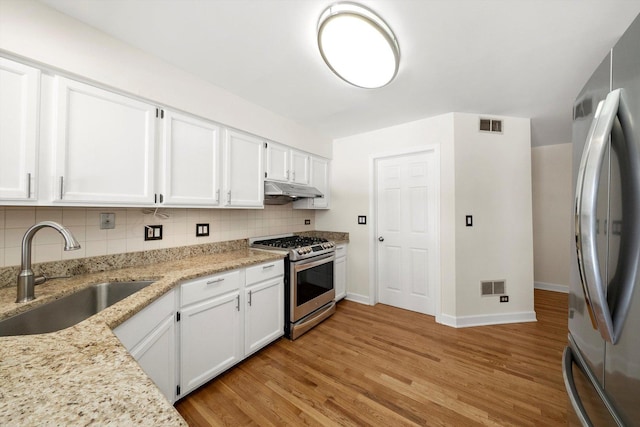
(552, 215)
(350, 177)
(485, 175)
(38, 33)
(493, 183)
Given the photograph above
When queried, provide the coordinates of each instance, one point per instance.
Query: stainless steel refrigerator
(601, 364)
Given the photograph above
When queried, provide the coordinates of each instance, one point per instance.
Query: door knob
(381, 239)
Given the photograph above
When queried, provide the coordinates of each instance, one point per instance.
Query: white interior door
(406, 228)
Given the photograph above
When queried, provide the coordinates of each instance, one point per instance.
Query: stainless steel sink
(70, 309)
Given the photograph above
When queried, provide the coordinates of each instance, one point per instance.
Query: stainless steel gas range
(309, 288)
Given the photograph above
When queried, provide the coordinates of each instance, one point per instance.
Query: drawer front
(260, 273)
(210, 286)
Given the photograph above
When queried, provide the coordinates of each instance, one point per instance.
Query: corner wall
(350, 197)
(485, 175)
(552, 215)
(493, 184)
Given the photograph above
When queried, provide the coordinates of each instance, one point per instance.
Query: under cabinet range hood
(281, 193)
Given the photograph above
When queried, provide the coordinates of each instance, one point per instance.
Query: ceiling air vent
(492, 287)
(490, 125)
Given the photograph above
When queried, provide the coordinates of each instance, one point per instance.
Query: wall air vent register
(491, 125)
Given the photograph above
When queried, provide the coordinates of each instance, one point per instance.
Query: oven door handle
(314, 262)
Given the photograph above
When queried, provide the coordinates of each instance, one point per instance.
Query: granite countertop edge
(83, 374)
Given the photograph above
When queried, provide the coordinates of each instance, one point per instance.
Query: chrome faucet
(26, 278)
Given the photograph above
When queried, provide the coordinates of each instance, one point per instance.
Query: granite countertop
(83, 374)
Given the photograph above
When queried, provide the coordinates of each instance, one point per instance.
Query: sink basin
(70, 309)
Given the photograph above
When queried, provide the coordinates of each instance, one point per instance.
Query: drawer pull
(211, 282)
(264, 267)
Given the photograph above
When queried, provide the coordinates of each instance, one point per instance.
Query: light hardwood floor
(383, 366)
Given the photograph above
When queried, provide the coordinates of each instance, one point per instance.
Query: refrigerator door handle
(586, 201)
(572, 391)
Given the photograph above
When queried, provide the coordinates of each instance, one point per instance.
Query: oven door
(311, 285)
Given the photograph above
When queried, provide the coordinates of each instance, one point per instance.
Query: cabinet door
(210, 339)
(19, 104)
(340, 272)
(320, 180)
(264, 316)
(104, 146)
(299, 167)
(277, 162)
(156, 355)
(244, 170)
(190, 161)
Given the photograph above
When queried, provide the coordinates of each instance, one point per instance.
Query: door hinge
(177, 390)
(177, 316)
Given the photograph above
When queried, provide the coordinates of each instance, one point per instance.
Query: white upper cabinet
(319, 180)
(243, 170)
(19, 105)
(299, 167)
(190, 161)
(277, 162)
(286, 164)
(103, 146)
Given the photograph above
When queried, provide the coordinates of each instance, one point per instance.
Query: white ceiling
(524, 58)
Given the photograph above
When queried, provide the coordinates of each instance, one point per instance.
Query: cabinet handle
(287, 175)
(161, 198)
(229, 196)
(264, 267)
(61, 187)
(211, 282)
(28, 185)
(250, 298)
(294, 175)
(218, 195)
(238, 302)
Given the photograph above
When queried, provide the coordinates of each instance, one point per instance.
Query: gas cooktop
(299, 247)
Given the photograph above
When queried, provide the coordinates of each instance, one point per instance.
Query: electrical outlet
(307, 222)
(107, 221)
(152, 232)
(504, 298)
(202, 230)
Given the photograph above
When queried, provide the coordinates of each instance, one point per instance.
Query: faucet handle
(39, 280)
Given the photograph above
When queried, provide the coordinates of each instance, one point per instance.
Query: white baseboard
(551, 287)
(362, 299)
(486, 319)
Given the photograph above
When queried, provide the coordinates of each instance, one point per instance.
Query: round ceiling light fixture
(358, 45)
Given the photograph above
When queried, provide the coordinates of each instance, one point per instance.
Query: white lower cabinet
(264, 299)
(226, 317)
(150, 337)
(340, 271)
(221, 318)
(210, 328)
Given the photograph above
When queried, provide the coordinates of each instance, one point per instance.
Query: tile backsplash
(179, 229)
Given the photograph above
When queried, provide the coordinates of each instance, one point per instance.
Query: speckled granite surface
(337, 237)
(83, 375)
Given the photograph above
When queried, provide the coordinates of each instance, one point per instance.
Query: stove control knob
(300, 252)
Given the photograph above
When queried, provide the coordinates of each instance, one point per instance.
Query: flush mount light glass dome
(358, 45)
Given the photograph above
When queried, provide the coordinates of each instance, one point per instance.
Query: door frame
(373, 214)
